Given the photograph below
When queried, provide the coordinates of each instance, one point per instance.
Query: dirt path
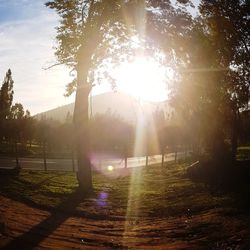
(30, 228)
(24, 227)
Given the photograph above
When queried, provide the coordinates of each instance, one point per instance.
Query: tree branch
(52, 66)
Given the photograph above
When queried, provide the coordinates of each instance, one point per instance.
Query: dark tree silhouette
(6, 96)
(228, 25)
(214, 80)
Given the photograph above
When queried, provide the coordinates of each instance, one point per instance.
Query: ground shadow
(58, 214)
(228, 179)
(38, 233)
(9, 176)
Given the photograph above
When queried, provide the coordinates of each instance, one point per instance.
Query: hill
(117, 103)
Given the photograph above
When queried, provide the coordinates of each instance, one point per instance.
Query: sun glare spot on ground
(144, 78)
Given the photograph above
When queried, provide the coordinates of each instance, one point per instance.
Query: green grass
(39, 188)
(151, 206)
(243, 153)
(154, 191)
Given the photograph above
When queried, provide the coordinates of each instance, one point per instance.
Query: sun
(144, 78)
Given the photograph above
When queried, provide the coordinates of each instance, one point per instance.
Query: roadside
(98, 163)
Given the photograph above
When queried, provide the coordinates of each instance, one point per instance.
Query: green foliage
(17, 111)
(6, 96)
(83, 24)
(92, 33)
(15, 124)
(213, 88)
(243, 153)
(227, 23)
(42, 189)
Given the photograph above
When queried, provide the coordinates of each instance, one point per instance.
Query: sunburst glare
(144, 78)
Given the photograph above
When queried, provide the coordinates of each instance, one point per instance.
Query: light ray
(144, 78)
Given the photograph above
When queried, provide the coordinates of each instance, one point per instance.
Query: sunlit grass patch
(39, 188)
(161, 191)
(243, 153)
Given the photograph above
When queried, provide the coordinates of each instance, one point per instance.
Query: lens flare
(110, 168)
(102, 199)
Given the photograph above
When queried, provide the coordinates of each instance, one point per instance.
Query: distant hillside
(120, 104)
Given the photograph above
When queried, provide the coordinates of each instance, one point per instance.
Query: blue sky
(27, 33)
(13, 10)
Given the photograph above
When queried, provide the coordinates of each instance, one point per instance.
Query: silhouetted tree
(227, 23)
(17, 111)
(6, 96)
(213, 86)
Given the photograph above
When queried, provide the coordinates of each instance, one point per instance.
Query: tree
(16, 120)
(214, 88)
(6, 96)
(228, 25)
(17, 111)
(90, 31)
(15, 123)
(83, 28)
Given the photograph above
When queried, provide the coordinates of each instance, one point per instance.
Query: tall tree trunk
(81, 116)
(162, 158)
(84, 175)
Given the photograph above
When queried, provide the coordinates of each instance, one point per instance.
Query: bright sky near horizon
(27, 36)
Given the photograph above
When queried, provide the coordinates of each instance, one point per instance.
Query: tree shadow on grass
(228, 180)
(21, 190)
(67, 208)
(32, 238)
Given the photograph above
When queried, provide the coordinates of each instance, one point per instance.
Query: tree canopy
(6, 96)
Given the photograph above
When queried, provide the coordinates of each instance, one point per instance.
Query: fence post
(162, 159)
(44, 156)
(73, 160)
(16, 153)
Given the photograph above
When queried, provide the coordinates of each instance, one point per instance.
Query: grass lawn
(143, 208)
(243, 153)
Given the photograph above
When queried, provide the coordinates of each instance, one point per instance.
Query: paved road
(66, 164)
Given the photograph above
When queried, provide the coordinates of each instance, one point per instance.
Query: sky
(27, 37)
